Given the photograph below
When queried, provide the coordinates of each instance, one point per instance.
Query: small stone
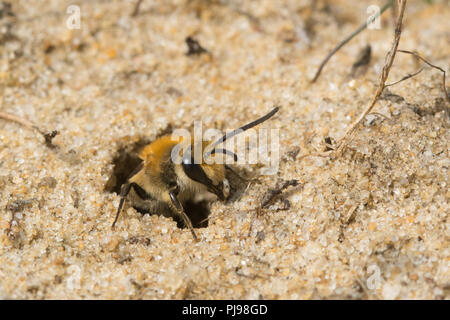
(49, 182)
(390, 291)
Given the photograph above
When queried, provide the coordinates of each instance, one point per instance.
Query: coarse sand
(371, 224)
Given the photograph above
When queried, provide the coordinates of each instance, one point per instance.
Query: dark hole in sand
(126, 160)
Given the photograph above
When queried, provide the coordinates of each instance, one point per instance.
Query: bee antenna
(241, 129)
(225, 151)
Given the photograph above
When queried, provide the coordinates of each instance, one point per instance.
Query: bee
(160, 185)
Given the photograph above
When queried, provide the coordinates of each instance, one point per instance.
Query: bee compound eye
(194, 171)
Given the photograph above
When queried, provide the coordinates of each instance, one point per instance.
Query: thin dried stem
(389, 60)
(48, 136)
(386, 6)
(23, 122)
(136, 8)
(447, 97)
(405, 77)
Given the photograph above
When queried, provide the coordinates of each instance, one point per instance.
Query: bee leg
(179, 208)
(123, 194)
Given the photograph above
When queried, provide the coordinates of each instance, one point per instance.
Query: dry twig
(136, 8)
(447, 97)
(272, 194)
(387, 5)
(48, 136)
(405, 77)
(389, 60)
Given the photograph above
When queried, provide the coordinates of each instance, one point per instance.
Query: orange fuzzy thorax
(158, 149)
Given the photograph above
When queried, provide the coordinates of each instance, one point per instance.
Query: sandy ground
(372, 224)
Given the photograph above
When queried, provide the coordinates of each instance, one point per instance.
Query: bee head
(212, 176)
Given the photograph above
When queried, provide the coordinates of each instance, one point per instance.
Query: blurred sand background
(372, 224)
